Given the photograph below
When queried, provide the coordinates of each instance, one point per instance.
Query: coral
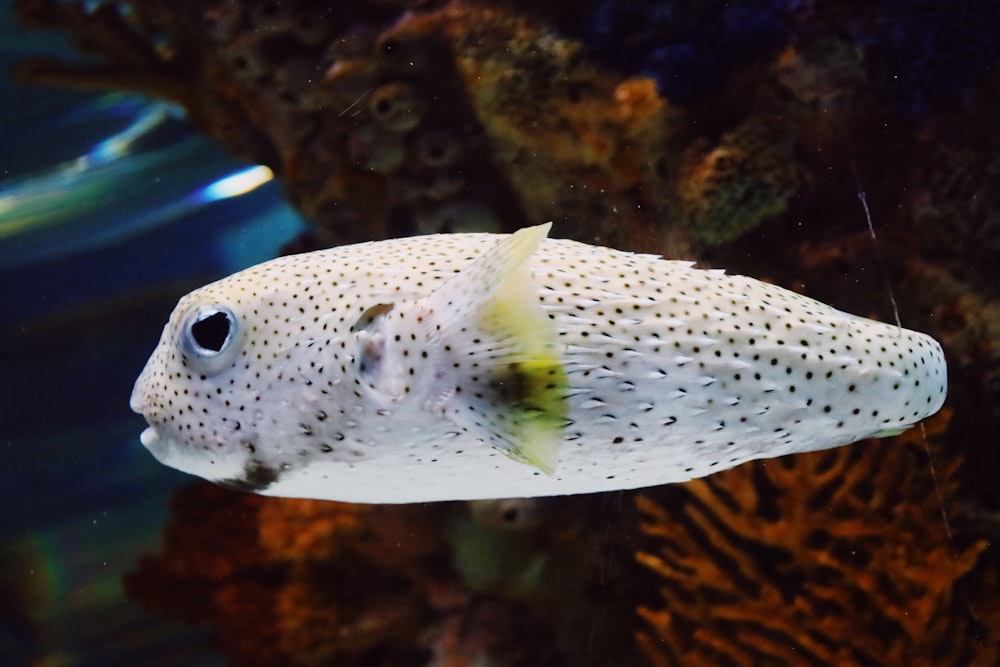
(920, 56)
(292, 582)
(825, 76)
(372, 580)
(837, 557)
(828, 558)
(737, 132)
(955, 209)
(393, 118)
(338, 101)
(220, 577)
(577, 144)
(748, 177)
(308, 583)
(382, 119)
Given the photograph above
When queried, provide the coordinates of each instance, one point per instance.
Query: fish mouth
(181, 456)
(163, 447)
(157, 445)
(149, 437)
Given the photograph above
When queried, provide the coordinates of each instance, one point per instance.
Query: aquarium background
(845, 150)
(86, 283)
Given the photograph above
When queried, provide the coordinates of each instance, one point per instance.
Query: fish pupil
(211, 333)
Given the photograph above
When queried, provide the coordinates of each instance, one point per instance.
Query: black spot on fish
(257, 476)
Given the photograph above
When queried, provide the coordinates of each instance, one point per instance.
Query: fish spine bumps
(483, 366)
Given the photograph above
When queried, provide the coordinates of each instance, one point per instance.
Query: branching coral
(830, 558)
(838, 557)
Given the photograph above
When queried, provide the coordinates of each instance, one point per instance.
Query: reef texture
(737, 133)
(844, 557)
(749, 176)
(308, 583)
(384, 121)
(854, 556)
(294, 582)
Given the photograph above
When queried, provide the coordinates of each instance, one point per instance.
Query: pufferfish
(473, 366)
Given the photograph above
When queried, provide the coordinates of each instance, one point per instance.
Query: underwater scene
(544, 420)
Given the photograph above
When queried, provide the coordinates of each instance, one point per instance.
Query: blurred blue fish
(155, 170)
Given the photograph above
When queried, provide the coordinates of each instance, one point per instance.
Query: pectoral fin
(497, 355)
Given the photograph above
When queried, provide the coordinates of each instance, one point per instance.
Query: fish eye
(208, 333)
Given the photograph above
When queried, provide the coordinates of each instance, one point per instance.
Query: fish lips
(214, 466)
(192, 459)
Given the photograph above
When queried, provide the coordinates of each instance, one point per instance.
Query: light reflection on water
(85, 289)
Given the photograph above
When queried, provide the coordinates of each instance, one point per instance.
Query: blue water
(82, 305)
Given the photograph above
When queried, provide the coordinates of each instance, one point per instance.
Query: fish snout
(139, 399)
(932, 368)
(142, 399)
(914, 378)
(140, 404)
(146, 390)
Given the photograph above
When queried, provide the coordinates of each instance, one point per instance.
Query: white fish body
(469, 366)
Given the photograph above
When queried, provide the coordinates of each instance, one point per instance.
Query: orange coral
(832, 558)
(578, 143)
(354, 612)
(297, 582)
(308, 583)
(215, 576)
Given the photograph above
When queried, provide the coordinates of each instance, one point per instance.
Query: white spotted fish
(465, 366)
